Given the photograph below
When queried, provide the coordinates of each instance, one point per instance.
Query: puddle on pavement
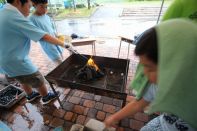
(30, 119)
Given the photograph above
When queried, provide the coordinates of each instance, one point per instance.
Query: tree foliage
(2, 1)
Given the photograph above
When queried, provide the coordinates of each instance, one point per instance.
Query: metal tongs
(70, 48)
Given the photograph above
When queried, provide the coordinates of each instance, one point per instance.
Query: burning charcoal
(89, 73)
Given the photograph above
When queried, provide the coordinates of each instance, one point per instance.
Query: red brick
(68, 116)
(47, 119)
(56, 122)
(23, 101)
(137, 125)
(59, 113)
(20, 110)
(75, 100)
(66, 91)
(12, 118)
(74, 117)
(89, 103)
(5, 115)
(109, 108)
(81, 119)
(100, 115)
(141, 117)
(120, 129)
(78, 109)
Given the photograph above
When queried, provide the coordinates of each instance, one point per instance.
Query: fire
(91, 63)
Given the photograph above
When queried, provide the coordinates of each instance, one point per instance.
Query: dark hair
(146, 44)
(22, 1)
(39, 1)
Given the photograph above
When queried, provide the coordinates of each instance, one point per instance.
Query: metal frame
(129, 41)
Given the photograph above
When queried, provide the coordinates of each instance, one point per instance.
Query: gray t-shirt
(168, 122)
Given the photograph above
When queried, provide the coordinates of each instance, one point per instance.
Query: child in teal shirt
(44, 22)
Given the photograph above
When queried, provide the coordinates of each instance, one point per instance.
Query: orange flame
(91, 63)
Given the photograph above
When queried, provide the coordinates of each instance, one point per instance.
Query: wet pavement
(80, 106)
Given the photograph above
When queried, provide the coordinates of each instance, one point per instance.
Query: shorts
(153, 125)
(34, 80)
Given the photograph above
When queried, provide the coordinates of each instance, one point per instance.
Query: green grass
(80, 12)
(84, 12)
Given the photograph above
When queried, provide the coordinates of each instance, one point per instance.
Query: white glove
(70, 48)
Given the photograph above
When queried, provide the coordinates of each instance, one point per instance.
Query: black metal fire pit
(112, 84)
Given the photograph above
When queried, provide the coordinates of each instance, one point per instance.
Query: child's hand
(110, 121)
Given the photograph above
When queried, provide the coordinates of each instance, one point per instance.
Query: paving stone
(71, 92)
(47, 118)
(59, 113)
(68, 106)
(88, 96)
(56, 122)
(92, 113)
(108, 114)
(81, 102)
(78, 109)
(87, 119)
(86, 111)
(48, 109)
(125, 122)
(100, 115)
(109, 108)
(75, 100)
(23, 101)
(97, 98)
(74, 117)
(42, 128)
(81, 119)
(107, 100)
(66, 91)
(89, 103)
(77, 93)
(67, 125)
(6, 114)
(141, 117)
(118, 108)
(12, 118)
(20, 110)
(68, 116)
(117, 102)
(120, 129)
(137, 125)
(99, 105)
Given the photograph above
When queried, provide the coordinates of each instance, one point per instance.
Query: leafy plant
(2, 1)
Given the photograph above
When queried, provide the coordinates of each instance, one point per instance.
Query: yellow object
(61, 37)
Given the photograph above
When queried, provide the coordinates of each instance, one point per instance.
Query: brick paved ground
(79, 106)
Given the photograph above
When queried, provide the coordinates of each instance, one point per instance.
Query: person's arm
(53, 40)
(130, 109)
